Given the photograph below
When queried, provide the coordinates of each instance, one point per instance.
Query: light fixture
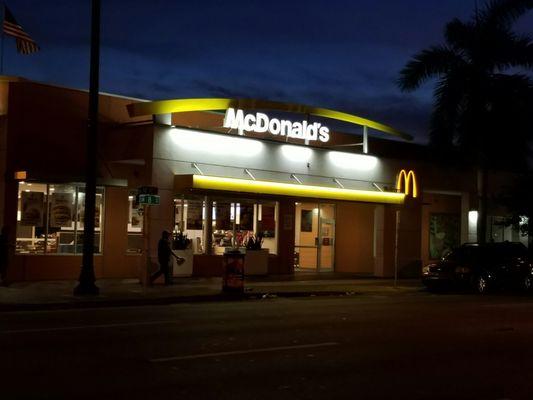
(352, 161)
(295, 190)
(293, 176)
(338, 183)
(296, 153)
(472, 217)
(216, 144)
(21, 175)
(377, 186)
(197, 168)
(247, 172)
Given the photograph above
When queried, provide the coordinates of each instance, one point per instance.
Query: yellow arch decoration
(406, 178)
(215, 104)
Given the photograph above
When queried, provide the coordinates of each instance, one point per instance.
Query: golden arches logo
(405, 181)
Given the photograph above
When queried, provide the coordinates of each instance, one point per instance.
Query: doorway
(314, 242)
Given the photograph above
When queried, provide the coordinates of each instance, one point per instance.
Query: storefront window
(189, 219)
(50, 218)
(135, 224)
(234, 222)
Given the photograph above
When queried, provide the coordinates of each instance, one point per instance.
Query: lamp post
(86, 285)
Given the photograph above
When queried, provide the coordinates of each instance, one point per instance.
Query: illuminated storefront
(226, 171)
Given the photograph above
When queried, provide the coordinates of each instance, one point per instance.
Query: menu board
(267, 225)
(32, 208)
(81, 210)
(246, 217)
(223, 214)
(194, 215)
(61, 209)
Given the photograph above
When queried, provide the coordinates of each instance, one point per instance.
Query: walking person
(164, 252)
(4, 255)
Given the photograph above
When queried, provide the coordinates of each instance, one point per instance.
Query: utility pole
(86, 285)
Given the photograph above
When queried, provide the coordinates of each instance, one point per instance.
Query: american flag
(25, 44)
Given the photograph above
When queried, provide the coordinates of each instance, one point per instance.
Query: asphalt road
(417, 346)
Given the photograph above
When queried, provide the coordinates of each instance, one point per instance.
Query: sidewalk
(129, 292)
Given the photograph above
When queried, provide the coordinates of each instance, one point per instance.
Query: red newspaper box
(233, 271)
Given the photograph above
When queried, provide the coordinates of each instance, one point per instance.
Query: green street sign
(150, 199)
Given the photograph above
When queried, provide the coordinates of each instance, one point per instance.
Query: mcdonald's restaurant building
(224, 171)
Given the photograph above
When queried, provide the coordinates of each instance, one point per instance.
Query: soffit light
(216, 144)
(352, 161)
(472, 216)
(296, 153)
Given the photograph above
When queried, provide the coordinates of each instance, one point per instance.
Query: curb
(104, 303)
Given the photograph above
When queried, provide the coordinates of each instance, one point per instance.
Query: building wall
(112, 263)
(46, 131)
(116, 263)
(354, 237)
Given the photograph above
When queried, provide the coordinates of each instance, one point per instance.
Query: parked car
(482, 267)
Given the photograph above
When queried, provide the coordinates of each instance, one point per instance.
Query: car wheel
(528, 283)
(481, 284)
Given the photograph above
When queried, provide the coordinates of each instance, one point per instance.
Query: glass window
(234, 222)
(31, 226)
(50, 218)
(62, 226)
(189, 219)
(135, 224)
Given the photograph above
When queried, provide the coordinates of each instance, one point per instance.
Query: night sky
(336, 54)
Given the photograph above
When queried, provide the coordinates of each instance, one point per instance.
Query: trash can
(233, 271)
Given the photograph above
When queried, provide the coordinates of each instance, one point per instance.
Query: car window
(500, 252)
(467, 254)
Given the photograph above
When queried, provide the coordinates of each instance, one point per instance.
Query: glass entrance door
(314, 237)
(326, 237)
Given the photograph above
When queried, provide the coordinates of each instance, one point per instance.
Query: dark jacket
(163, 250)
(4, 248)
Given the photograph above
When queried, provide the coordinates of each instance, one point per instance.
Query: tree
(483, 95)
(518, 198)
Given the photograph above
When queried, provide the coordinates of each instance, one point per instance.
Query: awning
(203, 182)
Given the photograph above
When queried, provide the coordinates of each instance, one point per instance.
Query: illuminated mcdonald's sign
(403, 183)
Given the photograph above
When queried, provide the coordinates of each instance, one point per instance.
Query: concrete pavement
(129, 292)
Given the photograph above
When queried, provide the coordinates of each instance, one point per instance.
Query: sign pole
(87, 278)
(396, 248)
(148, 263)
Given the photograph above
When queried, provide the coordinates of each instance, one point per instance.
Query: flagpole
(2, 40)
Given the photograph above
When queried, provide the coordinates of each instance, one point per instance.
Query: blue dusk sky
(340, 54)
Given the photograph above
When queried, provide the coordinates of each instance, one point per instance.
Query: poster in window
(32, 208)
(61, 209)
(267, 225)
(97, 210)
(194, 215)
(444, 234)
(246, 217)
(136, 218)
(223, 214)
(306, 221)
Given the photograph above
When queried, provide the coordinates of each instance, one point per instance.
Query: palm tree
(483, 95)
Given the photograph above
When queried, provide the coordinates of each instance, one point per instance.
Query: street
(415, 346)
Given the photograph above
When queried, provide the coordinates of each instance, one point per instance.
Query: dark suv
(482, 267)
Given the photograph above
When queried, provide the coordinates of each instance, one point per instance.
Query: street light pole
(86, 285)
